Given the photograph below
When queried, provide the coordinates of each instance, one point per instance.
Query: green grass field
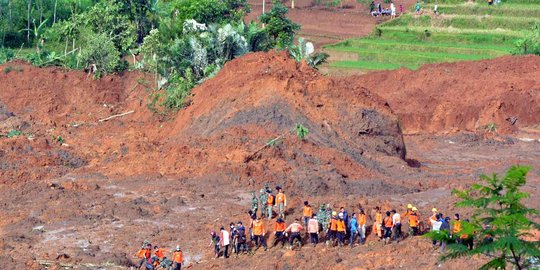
(462, 31)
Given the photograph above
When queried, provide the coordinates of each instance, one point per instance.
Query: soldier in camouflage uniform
(263, 197)
(327, 217)
(322, 217)
(255, 203)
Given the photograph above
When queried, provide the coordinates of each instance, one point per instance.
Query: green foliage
(305, 51)
(301, 131)
(280, 28)
(530, 44)
(500, 213)
(6, 55)
(100, 55)
(210, 11)
(13, 133)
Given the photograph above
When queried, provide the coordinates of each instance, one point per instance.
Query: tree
(530, 44)
(100, 54)
(500, 213)
(280, 29)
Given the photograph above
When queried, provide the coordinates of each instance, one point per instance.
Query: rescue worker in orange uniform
(414, 221)
(281, 201)
(332, 229)
(279, 232)
(362, 220)
(341, 229)
(142, 255)
(258, 233)
(307, 212)
(378, 222)
(387, 227)
(177, 258)
(270, 202)
(456, 228)
(158, 255)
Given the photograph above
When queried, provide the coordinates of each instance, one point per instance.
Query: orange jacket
(341, 225)
(333, 224)
(362, 219)
(388, 222)
(279, 227)
(147, 253)
(178, 257)
(140, 253)
(258, 228)
(281, 198)
(270, 200)
(457, 226)
(378, 218)
(159, 253)
(413, 220)
(307, 211)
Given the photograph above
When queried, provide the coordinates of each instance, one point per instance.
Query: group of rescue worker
(156, 258)
(334, 227)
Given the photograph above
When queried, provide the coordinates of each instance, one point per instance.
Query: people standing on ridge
(353, 227)
(214, 240)
(234, 237)
(445, 228)
(387, 227)
(417, 8)
(159, 254)
(279, 232)
(414, 221)
(371, 7)
(225, 241)
(341, 229)
(263, 198)
(258, 233)
(255, 203)
(396, 229)
(313, 230)
(436, 226)
(270, 202)
(294, 232)
(332, 229)
(345, 219)
(433, 217)
(241, 242)
(281, 201)
(252, 217)
(177, 258)
(392, 10)
(144, 254)
(456, 228)
(307, 212)
(378, 222)
(362, 219)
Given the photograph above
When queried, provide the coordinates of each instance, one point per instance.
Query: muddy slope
(465, 96)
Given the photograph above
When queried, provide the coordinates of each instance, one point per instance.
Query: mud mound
(464, 96)
(263, 96)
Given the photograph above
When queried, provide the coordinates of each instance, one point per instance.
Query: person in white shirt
(436, 226)
(225, 241)
(392, 10)
(396, 219)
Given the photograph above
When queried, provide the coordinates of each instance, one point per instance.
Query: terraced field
(462, 31)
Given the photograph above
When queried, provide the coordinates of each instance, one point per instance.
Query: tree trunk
(28, 20)
(54, 13)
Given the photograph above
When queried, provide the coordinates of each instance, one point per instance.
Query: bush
(100, 55)
(530, 44)
(280, 29)
(6, 55)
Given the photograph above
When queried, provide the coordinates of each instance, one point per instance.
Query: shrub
(280, 28)
(100, 55)
(530, 44)
(6, 55)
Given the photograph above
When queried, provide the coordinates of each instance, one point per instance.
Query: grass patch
(464, 31)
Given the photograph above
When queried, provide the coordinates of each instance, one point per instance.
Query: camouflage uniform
(263, 198)
(254, 203)
(322, 216)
